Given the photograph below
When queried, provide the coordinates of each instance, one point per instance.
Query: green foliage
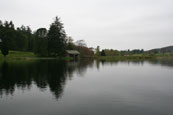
(69, 44)
(4, 49)
(132, 52)
(41, 42)
(111, 52)
(98, 51)
(18, 39)
(103, 53)
(56, 38)
(24, 39)
(5, 40)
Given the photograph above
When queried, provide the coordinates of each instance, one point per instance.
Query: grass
(136, 57)
(26, 56)
(18, 55)
(130, 57)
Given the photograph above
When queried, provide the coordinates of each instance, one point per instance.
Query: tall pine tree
(56, 38)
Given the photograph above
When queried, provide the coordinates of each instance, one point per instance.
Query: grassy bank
(18, 55)
(133, 57)
(167, 55)
(28, 56)
(115, 58)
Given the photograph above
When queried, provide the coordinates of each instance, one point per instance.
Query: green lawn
(17, 55)
(21, 56)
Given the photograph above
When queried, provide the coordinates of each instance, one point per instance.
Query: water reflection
(162, 62)
(52, 74)
(141, 87)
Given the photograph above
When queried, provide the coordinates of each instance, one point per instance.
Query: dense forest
(42, 42)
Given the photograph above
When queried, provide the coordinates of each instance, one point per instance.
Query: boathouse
(72, 53)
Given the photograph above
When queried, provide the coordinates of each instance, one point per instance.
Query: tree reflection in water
(53, 74)
(44, 73)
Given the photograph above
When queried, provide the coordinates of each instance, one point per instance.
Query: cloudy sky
(116, 24)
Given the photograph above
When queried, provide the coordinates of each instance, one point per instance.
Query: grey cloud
(119, 24)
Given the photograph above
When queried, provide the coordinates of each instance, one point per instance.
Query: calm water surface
(86, 88)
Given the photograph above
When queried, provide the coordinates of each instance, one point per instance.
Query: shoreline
(29, 56)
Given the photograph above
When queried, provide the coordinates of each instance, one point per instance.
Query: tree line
(19, 39)
(43, 42)
(113, 52)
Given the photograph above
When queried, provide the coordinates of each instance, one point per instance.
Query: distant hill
(168, 49)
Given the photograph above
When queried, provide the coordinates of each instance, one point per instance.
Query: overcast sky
(116, 24)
